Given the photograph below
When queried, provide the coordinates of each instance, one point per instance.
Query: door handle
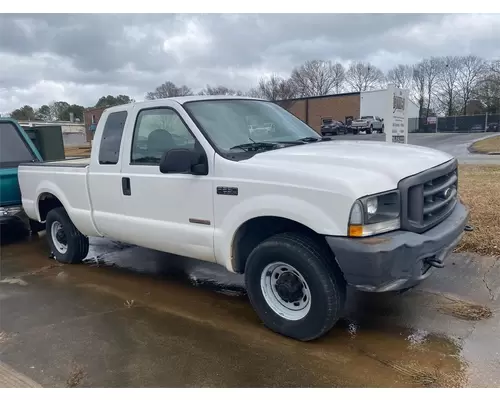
(126, 186)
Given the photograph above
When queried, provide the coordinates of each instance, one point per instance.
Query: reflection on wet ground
(135, 317)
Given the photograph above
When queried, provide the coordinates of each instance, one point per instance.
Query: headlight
(375, 214)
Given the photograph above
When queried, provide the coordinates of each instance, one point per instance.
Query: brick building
(312, 109)
(90, 119)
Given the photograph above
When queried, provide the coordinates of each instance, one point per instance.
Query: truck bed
(66, 180)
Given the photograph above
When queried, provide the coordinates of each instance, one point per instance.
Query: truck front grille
(429, 197)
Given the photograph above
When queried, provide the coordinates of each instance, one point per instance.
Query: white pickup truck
(301, 216)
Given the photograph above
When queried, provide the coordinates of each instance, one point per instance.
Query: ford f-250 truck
(299, 215)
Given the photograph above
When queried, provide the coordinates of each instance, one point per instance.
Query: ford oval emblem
(447, 193)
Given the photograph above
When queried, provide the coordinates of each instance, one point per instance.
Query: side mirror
(183, 161)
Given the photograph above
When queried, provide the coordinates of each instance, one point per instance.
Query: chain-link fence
(465, 123)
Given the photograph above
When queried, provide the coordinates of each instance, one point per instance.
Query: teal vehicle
(15, 147)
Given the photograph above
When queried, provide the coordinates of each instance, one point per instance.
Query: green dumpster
(48, 139)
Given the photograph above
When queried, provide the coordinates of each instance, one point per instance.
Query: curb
(10, 378)
(491, 153)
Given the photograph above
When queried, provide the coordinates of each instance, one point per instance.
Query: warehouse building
(91, 117)
(341, 107)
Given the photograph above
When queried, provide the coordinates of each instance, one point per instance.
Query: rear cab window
(109, 150)
(13, 148)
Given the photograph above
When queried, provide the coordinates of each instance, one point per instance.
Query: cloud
(81, 57)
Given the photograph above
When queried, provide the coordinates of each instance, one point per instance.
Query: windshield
(368, 117)
(230, 123)
(13, 149)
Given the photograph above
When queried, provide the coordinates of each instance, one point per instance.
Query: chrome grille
(429, 197)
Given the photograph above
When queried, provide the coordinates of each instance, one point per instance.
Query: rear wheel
(67, 243)
(295, 286)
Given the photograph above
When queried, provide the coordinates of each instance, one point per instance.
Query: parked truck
(369, 124)
(301, 216)
(15, 148)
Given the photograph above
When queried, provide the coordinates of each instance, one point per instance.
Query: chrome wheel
(59, 237)
(285, 291)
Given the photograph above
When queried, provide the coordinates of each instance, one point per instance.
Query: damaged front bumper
(398, 260)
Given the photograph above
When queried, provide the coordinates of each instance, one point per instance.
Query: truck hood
(363, 162)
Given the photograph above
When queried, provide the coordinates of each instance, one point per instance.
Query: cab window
(157, 131)
(13, 149)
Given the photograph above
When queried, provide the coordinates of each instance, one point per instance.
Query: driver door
(170, 212)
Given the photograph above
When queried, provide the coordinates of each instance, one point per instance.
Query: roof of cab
(180, 100)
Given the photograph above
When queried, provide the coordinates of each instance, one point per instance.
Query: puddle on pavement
(366, 348)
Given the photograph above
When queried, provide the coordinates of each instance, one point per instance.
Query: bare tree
(401, 76)
(447, 85)
(470, 72)
(274, 88)
(418, 91)
(488, 91)
(431, 69)
(317, 78)
(219, 90)
(364, 76)
(495, 66)
(338, 77)
(169, 89)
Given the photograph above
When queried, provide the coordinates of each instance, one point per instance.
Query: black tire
(382, 129)
(369, 131)
(77, 243)
(327, 286)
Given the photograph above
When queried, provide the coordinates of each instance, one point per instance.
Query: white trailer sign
(396, 119)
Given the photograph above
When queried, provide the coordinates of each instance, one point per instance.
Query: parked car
(15, 148)
(493, 127)
(271, 210)
(332, 127)
(369, 124)
(477, 128)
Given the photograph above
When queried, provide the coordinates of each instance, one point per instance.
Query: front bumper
(397, 260)
(360, 127)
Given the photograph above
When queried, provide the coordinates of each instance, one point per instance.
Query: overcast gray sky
(78, 58)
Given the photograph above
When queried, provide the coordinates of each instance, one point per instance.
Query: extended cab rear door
(104, 177)
(171, 212)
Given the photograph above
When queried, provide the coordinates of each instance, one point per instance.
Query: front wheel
(295, 286)
(67, 243)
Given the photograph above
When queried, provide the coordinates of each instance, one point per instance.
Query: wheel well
(47, 202)
(256, 230)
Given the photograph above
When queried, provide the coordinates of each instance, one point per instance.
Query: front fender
(294, 209)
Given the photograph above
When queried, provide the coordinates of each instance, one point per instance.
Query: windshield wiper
(254, 146)
(312, 139)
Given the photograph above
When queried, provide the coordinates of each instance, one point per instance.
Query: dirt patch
(479, 189)
(458, 308)
(76, 376)
(77, 151)
(486, 146)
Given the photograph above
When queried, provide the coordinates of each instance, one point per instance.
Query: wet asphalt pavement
(132, 317)
(455, 144)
